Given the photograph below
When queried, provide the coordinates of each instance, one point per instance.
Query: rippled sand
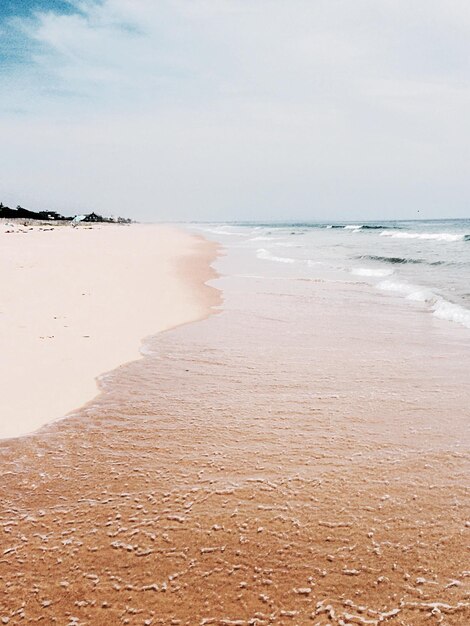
(300, 458)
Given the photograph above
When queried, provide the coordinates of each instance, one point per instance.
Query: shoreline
(292, 457)
(70, 309)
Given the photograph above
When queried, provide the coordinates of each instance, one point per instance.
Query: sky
(217, 110)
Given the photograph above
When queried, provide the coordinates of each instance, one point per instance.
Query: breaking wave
(262, 253)
(440, 307)
(356, 227)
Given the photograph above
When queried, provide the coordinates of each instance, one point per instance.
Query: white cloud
(220, 109)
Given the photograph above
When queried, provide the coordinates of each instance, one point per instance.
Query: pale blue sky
(237, 109)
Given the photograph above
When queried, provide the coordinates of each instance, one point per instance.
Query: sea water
(426, 262)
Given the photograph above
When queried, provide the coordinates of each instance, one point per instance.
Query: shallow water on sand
(300, 457)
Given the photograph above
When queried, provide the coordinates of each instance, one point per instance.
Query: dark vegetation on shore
(21, 213)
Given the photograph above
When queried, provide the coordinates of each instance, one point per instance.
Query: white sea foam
(366, 271)
(441, 308)
(311, 263)
(445, 310)
(264, 278)
(262, 253)
(353, 227)
(222, 230)
(430, 236)
(409, 291)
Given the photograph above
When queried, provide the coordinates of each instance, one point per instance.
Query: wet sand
(76, 302)
(291, 460)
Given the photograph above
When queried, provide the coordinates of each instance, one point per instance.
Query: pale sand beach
(303, 457)
(77, 302)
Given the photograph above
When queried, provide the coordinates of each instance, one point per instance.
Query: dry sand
(76, 302)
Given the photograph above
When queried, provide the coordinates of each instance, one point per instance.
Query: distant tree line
(22, 213)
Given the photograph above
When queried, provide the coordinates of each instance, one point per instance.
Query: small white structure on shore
(77, 219)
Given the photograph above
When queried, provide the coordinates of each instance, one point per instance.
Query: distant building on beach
(26, 214)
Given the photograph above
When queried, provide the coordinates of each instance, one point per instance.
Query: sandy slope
(75, 303)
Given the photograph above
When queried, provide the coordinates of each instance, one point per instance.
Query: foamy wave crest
(445, 310)
(430, 236)
(441, 308)
(218, 231)
(410, 292)
(366, 271)
(266, 255)
(356, 227)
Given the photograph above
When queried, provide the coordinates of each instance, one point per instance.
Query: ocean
(427, 263)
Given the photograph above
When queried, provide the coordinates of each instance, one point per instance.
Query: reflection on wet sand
(287, 461)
